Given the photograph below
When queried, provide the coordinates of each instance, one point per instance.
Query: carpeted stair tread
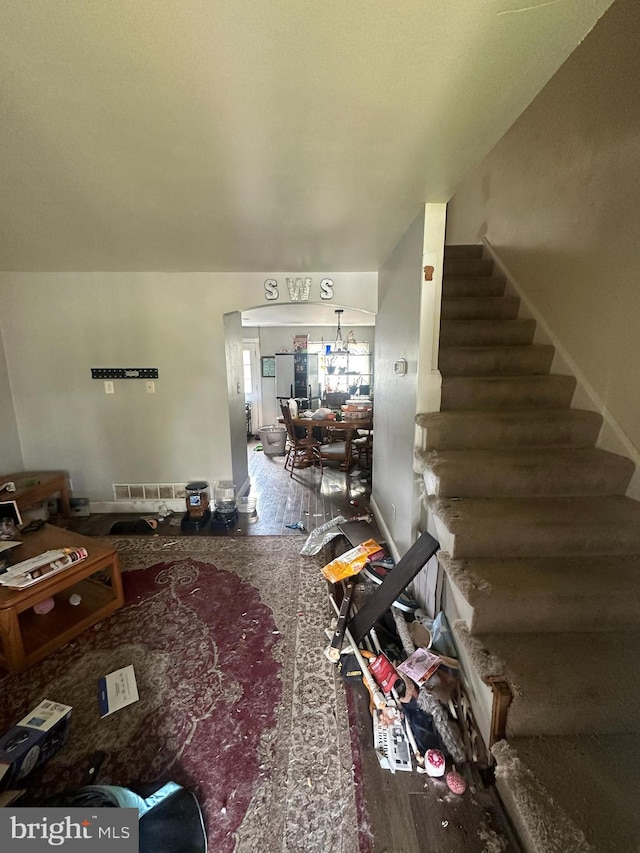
(546, 594)
(480, 307)
(590, 781)
(497, 361)
(458, 430)
(540, 550)
(467, 266)
(513, 392)
(530, 527)
(519, 473)
(473, 286)
(564, 683)
(467, 333)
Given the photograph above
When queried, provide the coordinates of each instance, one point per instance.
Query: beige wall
(397, 336)
(57, 326)
(10, 454)
(559, 200)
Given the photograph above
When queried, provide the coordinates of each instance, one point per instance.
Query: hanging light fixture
(339, 344)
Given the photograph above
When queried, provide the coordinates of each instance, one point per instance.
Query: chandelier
(339, 343)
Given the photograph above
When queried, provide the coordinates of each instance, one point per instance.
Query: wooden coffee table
(25, 636)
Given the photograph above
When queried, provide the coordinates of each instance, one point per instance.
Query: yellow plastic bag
(351, 562)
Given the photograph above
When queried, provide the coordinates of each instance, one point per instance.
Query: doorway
(252, 384)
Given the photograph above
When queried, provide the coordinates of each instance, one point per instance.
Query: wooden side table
(33, 487)
(25, 636)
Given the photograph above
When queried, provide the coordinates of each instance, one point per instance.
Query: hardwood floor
(413, 813)
(407, 812)
(308, 497)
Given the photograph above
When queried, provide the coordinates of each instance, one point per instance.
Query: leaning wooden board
(393, 585)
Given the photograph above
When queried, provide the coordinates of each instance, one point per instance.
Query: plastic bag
(441, 637)
(321, 535)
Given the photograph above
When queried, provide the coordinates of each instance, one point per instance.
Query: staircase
(541, 554)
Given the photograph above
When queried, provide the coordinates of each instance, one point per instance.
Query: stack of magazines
(43, 566)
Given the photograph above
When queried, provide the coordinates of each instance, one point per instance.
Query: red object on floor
(384, 673)
(455, 782)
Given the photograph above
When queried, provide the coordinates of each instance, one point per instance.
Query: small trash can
(273, 440)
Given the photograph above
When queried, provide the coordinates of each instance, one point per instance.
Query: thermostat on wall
(400, 366)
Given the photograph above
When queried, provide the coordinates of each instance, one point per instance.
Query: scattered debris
(322, 535)
(455, 782)
(117, 690)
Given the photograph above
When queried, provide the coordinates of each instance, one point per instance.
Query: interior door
(252, 385)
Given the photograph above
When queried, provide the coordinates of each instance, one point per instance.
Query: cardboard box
(32, 741)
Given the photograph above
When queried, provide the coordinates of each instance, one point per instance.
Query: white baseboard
(612, 437)
(244, 488)
(388, 538)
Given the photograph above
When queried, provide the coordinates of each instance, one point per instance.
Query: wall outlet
(151, 386)
(109, 387)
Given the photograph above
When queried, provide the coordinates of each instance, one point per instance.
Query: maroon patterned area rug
(237, 701)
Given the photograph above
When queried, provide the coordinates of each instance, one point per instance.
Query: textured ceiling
(253, 135)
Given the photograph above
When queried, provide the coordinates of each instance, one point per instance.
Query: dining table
(348, 426)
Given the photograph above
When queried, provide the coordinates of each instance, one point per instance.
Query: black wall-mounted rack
(124, 372)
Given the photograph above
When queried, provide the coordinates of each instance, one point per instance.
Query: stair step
(462, 286)
(537, 527)
(554, 594)
(486, 333)
(510, 428)
(464, 250)
(510, 392)
(496, 361)
(563, 683)
(480, 307)
(467, 266)
(571, 794)
(519, 473)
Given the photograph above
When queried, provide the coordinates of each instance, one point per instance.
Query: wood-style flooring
(407, 812)
(308, 497)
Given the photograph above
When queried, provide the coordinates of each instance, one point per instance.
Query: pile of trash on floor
(408, 663)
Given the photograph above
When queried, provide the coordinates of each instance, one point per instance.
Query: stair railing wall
(612, 437)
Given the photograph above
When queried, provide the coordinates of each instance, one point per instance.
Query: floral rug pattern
(237, 701)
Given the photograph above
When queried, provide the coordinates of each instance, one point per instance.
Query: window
(347, 371)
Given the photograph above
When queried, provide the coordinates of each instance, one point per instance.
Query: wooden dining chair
(300, 452)
(362, 447)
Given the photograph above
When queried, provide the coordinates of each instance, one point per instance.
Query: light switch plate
(400, 367)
